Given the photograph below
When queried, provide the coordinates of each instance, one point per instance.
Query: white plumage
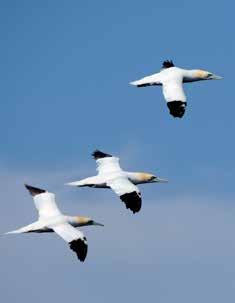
(51, 219)
(110, 175)
(108, 165)
(172, 78)
(122, 185)
(68, 232)
(46, 205)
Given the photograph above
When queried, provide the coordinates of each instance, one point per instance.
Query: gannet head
(205, 75)
(155, 179)
(84, 221)
(150, 178)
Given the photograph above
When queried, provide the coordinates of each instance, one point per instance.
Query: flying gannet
(110, 175)
(172, 79)
(52, 220)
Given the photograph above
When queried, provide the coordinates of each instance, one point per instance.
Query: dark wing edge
(167, 64)
(34, 191)
(177, 108)
(80, 247)
(146, 84)
(97, 154)
(132, 200)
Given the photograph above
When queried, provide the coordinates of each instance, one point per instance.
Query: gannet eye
(209, 75)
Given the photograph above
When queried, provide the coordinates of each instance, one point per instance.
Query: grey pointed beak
(160, 180)
(215, 77)
(97, 224)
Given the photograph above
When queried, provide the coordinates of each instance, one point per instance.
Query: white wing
(108, 165)
(173, 90)
(175, 96)
(75, 238)
(128, 193)
(44, 202)
(154, 79)
(171, 78)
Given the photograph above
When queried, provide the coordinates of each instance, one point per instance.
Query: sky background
(64, 72)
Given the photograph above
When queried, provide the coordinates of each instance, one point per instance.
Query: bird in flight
(172, 78)
(50, 219)
(123, 183)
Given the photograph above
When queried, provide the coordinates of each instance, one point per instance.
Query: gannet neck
(78, 221)
(198, 75)
(192, 75)
(139, 177)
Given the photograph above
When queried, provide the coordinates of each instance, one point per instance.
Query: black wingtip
(132, 200)
(97, 154)
(34, 191)
(167, 64)
(80, 247)
(177, 108)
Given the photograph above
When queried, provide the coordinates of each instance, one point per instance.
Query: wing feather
(108, 165)
(97, 154)
(76, 239)
(173, 90)
(154, 79)
(44, 202)
(128, 193)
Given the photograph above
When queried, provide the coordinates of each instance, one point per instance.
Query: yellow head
(84, 221)
(205, 75)
(148, 178)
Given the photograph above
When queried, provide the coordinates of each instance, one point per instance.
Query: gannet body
(172, 78)
(110, 175)
(52, 220)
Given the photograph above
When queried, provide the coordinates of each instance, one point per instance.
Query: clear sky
(65, 68)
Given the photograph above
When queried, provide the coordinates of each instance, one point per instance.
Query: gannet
(172, 79)
(52, 220)
(123, 183)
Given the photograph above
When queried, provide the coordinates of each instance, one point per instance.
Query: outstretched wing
(173, 90)
(76, 239)
(154, 79)
(128, 193)
(175, 97)
(44, 202)
(106, 163)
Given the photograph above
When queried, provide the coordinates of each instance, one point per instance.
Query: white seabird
(52, 220)
(123, 183)
(172, 79)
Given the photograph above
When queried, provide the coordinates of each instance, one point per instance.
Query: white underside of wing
(74, 237)
(67, 232)
(154, 79)
(108, 165)
(127, 191)
(121, 186)
(172, 81)
(46, 205)
(173, 91)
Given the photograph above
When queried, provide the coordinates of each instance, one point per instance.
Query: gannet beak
(215, 77)
(97, 224)
(159, 180)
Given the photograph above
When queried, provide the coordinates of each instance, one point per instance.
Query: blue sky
(65, 69)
